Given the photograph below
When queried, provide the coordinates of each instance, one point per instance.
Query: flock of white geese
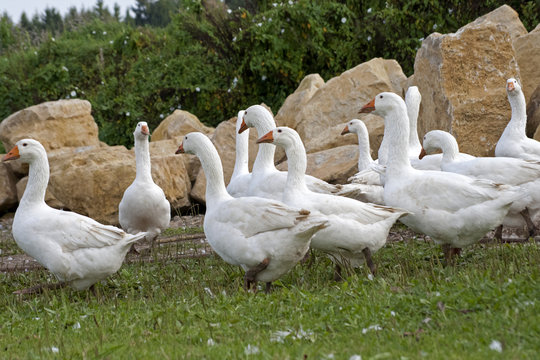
(266, 220)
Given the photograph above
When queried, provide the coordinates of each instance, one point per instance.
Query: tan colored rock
(224, 139)
(527, 49)
(56, 124)
(8, 191)
(92, 182)
(533, 113)
(340, 99)
(178, 124)
(288, 113)
(49, 197)
(506, 17)
(334, 165)
(462, 79)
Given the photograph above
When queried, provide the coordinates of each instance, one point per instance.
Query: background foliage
(210, 58)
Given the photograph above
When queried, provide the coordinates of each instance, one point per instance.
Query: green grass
(195, 308)
(182, 231)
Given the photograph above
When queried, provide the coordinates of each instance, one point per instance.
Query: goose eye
(24, 144)
(380, 97)
(279, 130)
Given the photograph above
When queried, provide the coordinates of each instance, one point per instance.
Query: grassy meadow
(486, 306)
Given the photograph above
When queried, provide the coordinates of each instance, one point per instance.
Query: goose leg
(268, 287)
(249, 277)
(531, 227)
(337, 273)
(449, 252)
(498, 233)
(369, 261)
(38, 289)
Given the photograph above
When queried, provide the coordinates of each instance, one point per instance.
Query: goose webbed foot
(38, 289)
(251, 274)
(369, 261)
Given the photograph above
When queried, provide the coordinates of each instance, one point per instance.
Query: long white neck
(396, 131)
(265, 157)
(413, 108)
(242, 149)
(211, 164)
(38, 178)
(449, 148)
(518, 122)
(364, 152)
(296, 164)
(142, 160)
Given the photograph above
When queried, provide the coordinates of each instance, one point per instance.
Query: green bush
(212, 61)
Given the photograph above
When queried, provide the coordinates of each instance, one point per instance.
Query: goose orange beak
(510, 86)
(243, 126)
(268, 138)
(369, 107)
(13, 154)
(180, 149)
(422, 153)
(145, 130)
(345, 130)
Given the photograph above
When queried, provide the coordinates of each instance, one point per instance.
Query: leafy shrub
(213, 61)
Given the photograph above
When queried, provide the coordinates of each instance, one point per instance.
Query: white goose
(431, 162)
(76, 249)
(453, 209)
(513, 141)
(502, 170)
(366, 176)
(265, 237)
(239, 184)
(266, 180)
(144, 206)
(355, 229)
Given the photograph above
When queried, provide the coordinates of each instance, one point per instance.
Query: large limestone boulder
(333, 165)
(224, 139)
(288, 113)
(92, 182)
(462, 79)
(506, 17)
(340, 99)
(533, 113)
(178, 124)
(56, 124)
(8, 191)
(49, 197)
(527, 49)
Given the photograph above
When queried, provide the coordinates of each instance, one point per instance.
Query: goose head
(141, 130)
(383, 103)
(255, 116)
(431, 143)
(192, 143)
(27, 150)
(282, 136)
(512, 86)
(355, 126)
